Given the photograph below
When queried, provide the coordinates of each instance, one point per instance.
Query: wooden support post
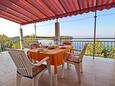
(35, 30)
(57, 32)
(21, 38)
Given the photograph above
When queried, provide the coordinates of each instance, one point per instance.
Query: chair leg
(68, 65)
(77, 67)
(35, 81)
(18, 81)
(81, 67)
(55, 80)
(50, 73)
(62, 71)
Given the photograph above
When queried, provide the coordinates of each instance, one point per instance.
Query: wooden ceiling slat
(4, 8)
(15, 9)
(12, 16)
(102, 2)
(70, 6)
(48, 7)
(109, 1)
(53, 6)
(29, 7)
(9, 18)
(57, 5)
(35, 10)
(74, 4)
(63, 6)
(22, 6)
(46, 10)
(97, 3)
(79, 4)
(83, 3)
(93, 5)
(35, 6)
(113, 1)
(87, 3)
(17, 17)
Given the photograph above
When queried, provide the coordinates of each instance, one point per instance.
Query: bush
(5, 42)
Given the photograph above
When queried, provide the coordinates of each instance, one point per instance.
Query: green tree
(98, 48)
(16, 44)
(108, 52)
(5, 42)
(28, 39)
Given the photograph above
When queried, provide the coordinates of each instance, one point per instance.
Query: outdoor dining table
(56, 57)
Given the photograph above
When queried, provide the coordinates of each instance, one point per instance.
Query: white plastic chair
(27, 69)
(34, 44)
(0, 47)
(76, 60)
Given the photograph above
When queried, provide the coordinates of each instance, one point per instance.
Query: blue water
(79, 45)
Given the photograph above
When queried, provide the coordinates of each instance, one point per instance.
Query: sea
(78, 43)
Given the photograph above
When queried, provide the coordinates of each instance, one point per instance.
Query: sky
(76, 26)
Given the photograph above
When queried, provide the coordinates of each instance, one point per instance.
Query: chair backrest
(67, 42)
(33, 44)
(0, 47)
(82, 53)
(23, 64)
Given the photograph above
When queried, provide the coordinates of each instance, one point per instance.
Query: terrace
(96, 71)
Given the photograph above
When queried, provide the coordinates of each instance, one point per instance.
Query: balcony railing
(104, 47)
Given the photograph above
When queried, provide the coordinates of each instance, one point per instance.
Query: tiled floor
(98, 72)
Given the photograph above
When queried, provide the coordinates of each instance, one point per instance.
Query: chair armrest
(77, 55)
(69, 53)
(42, 61)
(72, 49)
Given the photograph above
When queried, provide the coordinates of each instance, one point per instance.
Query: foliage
(16, 44)
(108, 52)
(28, 39)
(101, 50)
(5, 42)
(98, 48)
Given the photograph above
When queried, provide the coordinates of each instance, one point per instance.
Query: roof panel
(9, 18)
(25, 7)
(28, 7)
(74, 4)
(4, 8)
(16, 8)
(52, 6)
(40, 8)
(47, 7)
(30, 11)
(58, 6)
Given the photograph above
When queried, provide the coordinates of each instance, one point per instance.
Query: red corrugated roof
(30, 11)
